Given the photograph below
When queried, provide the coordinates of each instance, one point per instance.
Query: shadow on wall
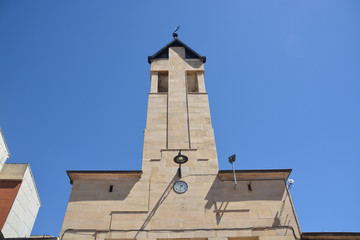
(225, 193)
(102, 190)
(158, 203)
(194, 64)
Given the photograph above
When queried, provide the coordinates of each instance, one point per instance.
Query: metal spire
(175, 35)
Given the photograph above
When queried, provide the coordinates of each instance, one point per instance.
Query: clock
(180, 187)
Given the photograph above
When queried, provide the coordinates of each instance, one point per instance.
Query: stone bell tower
(178, 115)
(161, 202)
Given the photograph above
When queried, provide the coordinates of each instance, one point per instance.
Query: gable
(164, 52)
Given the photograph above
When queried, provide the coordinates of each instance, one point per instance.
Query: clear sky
(283, 79)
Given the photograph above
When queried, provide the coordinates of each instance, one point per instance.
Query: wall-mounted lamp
(180, 159)
(232, 160)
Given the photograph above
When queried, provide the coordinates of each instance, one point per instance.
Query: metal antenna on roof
(175, 35)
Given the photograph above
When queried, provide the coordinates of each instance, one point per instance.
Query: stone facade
(144, 205)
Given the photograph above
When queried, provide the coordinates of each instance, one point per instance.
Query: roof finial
(175, 35)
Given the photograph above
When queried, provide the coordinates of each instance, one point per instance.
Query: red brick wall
(8, 191)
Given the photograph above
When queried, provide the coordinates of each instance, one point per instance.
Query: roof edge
(257, 170)
(150, 58)
(256, 174)
(71, 173)
(332, 233)
(104, 171)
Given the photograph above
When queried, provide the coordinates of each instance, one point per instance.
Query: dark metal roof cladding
(164, 52)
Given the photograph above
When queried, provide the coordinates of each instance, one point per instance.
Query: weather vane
(175, 35)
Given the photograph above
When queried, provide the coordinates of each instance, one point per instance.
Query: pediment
(164, 52)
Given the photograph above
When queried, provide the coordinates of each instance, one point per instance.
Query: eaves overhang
(31, 238)
(258, 174)
(330, 236)
(94, 175)
(164, 52)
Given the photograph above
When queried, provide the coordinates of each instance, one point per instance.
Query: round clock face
(180, 187)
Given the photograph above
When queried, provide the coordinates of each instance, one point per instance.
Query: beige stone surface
(211, 208)
(13, 171)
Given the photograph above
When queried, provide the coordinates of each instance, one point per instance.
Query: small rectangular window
(111, 188)
(163, 81)
(192, 81)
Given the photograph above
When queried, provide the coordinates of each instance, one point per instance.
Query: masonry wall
(22, 215)
(148, 208)
(211, 209)
(8, 192)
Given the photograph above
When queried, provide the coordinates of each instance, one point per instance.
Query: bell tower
(178, 116)
(160, 202)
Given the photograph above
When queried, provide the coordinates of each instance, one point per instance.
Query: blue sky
(283, 79)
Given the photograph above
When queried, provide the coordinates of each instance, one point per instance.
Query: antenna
(232, 160)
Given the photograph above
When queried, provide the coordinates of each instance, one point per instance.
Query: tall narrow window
(192, 82)
(163, 81)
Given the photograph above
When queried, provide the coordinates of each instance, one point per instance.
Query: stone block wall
(25, 205)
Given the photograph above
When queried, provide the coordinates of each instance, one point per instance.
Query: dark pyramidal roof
(164, 52)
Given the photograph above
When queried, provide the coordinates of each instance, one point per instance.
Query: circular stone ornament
(180, 187)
